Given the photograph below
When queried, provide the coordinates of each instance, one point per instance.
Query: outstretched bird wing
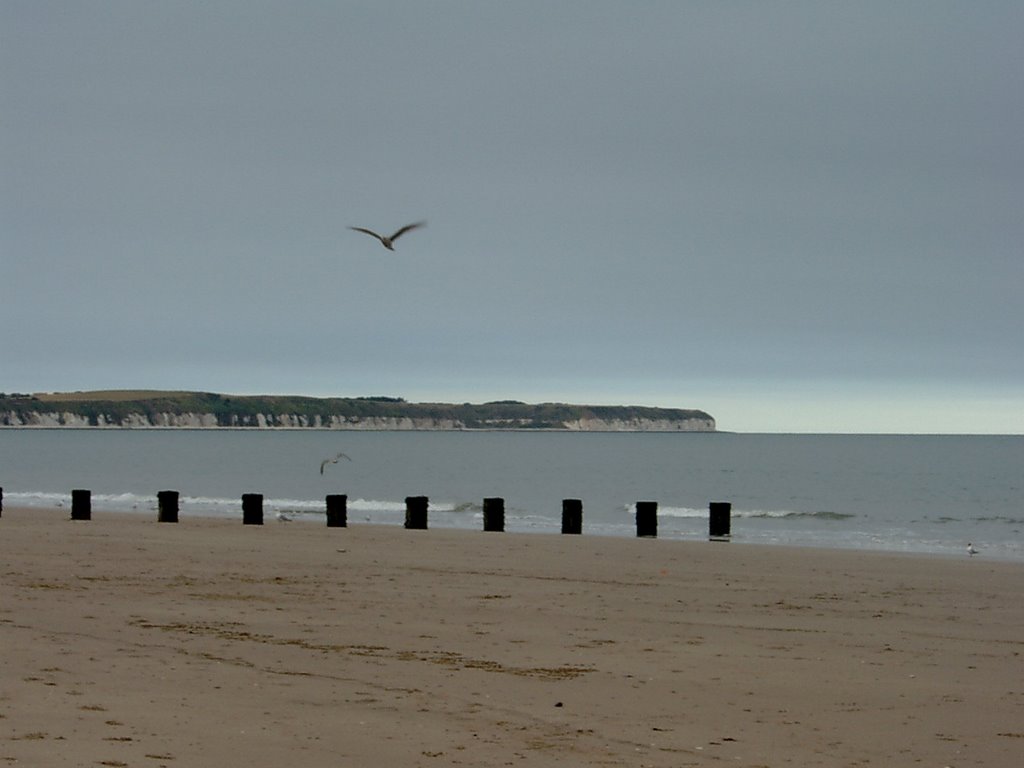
(406, 228)
(369, 232)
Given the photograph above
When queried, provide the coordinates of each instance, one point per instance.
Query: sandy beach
(128, 642)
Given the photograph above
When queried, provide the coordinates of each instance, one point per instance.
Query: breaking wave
(691, 512)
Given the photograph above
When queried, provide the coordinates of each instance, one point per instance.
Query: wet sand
(127, 642)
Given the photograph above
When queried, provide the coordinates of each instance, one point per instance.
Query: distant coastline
(158, 409)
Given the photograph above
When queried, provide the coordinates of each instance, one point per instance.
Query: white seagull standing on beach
(971, 551)
(283, 518)
(389, 241)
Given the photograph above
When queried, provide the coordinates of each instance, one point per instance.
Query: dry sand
(127, 642)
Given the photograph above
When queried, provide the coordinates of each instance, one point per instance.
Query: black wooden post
(252, 509)
(494, 514)
(1, 502)
(719, 521)
(81, 504)
(647, 518)
(337, 510)
(416, 512)
(167, 506)
(572, 516)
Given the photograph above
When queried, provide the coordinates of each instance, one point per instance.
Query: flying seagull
(971, 551)
(335, 460)
(389, 242)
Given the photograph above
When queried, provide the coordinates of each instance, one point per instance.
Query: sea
(899, 493)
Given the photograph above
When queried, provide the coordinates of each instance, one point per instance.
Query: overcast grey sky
(798, 216)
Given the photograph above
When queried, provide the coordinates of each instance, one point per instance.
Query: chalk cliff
(191, 410)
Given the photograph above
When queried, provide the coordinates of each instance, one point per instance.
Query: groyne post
(572, 516)
(1, 502)
(252, 509)
(494, 514)
(647, 519)
(167, 506)
(337, 510)
(81, 504)
(719, 521)
(416, 512)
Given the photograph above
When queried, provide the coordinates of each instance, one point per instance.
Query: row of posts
(719, 526)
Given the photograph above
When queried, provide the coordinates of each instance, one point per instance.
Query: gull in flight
(389, 242)
(971, 551)
(335, 460)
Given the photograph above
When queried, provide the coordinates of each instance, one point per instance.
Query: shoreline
(236, 428)
(306, 517)
(316, 516)
(514, 430)
(133, 642)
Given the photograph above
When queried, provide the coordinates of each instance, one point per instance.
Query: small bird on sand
(335, 460)
(389, 242)
(971, 551)
(283, 518)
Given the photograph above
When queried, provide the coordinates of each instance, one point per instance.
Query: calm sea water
(901, 493)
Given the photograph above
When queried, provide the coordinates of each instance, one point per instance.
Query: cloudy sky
(798, 216)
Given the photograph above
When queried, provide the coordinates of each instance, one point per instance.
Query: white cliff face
(39, 419)
(641, 425)
(292, 421)
(187, 420)
(393, 423)
(131, 421)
